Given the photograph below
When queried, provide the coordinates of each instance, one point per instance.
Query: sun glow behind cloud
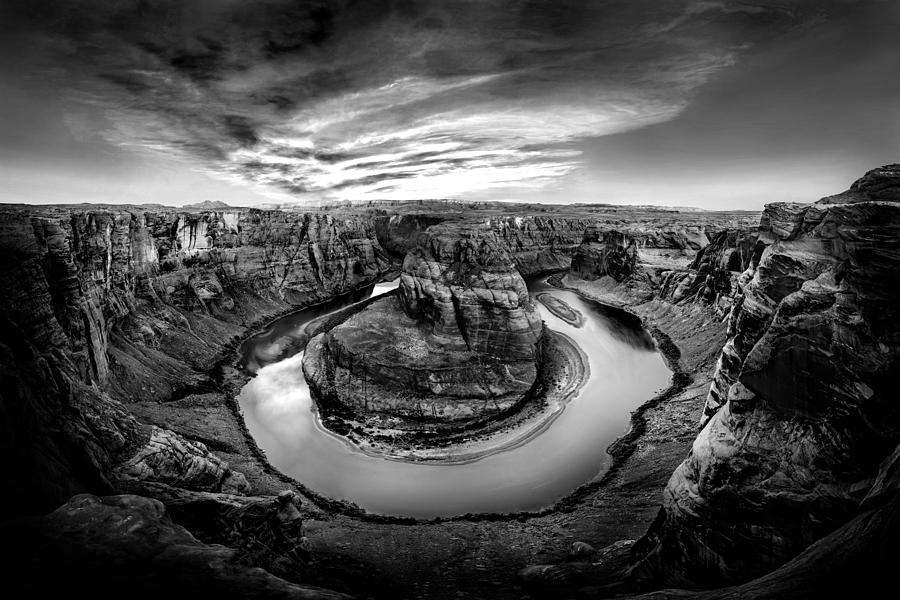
(357, 148)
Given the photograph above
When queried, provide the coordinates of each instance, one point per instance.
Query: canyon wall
(101, 306)
(678, 264)
(605, 253)
(802, 409)
(540, 244)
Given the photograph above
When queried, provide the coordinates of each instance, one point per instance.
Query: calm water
(625, 371)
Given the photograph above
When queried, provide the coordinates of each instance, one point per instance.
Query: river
(626, 370)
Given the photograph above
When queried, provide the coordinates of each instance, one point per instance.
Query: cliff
(107, 313)
(801, 410)
(605, 253)
(463, 282)
(712, 278)
(134, 305)
(540, 244)
(459, 341)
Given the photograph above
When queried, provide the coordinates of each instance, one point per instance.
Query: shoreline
(619, 451)
(537, 411)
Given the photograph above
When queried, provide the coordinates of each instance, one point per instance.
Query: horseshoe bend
(449, 300)
(121, 327)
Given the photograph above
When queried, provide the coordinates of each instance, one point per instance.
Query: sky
(713, 104)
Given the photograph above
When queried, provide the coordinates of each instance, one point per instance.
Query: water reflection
(285, 337)
(625, 372)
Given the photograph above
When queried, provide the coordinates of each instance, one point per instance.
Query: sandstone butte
(458, 341)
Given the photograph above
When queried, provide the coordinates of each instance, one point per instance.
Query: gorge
(268, 403)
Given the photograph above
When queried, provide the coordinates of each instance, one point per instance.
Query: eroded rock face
(539, 244)
(605, 253)
(463, 282)
(398, 234)
(712, 277)
(459, 341)
(105, 305)
(168, 458)
(802, 409)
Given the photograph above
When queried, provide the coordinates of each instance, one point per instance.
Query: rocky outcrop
(168, 458)
(136, 304)
(605, 253)
(107, 547)
(398, 234)
(712, 277)
(459, 341)
(801, 411)
(463, 283)
(540, 244)
(266, 531)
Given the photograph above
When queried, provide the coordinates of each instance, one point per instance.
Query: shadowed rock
(802, 408)
(99, 547)
(605, 253)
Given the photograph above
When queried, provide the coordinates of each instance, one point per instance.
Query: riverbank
(470, 553)
(562, 372)
(504, 434)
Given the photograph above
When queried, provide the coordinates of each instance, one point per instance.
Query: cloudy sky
(715, 104)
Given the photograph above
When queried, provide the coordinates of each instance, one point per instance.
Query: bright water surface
(625, 371)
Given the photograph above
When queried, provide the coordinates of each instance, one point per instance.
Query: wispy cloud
(387, 99)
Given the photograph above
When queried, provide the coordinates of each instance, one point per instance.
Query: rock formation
(107, 547)
(462, 281)
(99, 305)
(801, 411)
(605, 253)
(540, 244)
(398, 234)
(459, 341)
(712, 278)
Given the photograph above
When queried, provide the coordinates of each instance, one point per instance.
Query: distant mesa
(209, 205)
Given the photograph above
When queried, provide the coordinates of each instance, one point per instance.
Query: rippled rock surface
(803, 406)
(459, 341)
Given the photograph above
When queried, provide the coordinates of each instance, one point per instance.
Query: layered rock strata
(606, 253)
(713, 276)
(540, 244)
(459, 341)
(801, 411)
(133, 304)
(102, 310)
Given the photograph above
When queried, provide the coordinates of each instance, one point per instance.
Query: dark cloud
(241, 129)
(445, 97)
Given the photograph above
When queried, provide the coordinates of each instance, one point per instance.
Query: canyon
(122, 435)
